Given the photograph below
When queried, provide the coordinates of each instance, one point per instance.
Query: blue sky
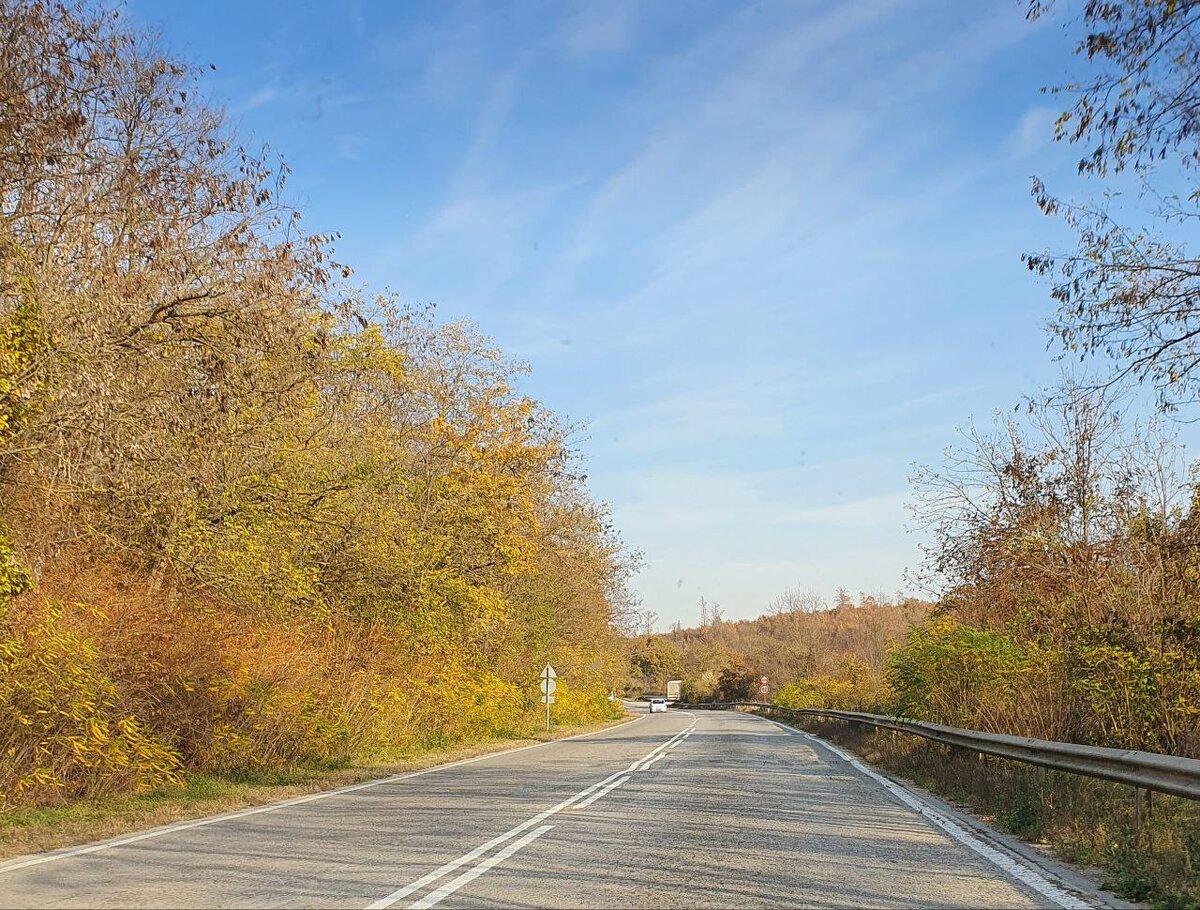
(769, 253)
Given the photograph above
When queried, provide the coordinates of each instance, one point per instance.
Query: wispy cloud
(601, 29)
(264, 95)
(1034, 131)
(351, 146)
(767, 253)
(887, 511)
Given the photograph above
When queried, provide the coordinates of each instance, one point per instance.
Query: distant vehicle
(674, 689)
(658, 703)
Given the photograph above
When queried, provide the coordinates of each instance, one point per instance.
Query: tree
(648, 619)
(1129, 293)
(1030, 504)
(796, 600)
(736, 683)
(299, 498)
(711, 613)
(655, 660)
(1070, 537)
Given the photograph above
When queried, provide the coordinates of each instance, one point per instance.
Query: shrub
(855, 687)
(62, 731)
(949, 673)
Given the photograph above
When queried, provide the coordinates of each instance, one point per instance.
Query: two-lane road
(670, 810)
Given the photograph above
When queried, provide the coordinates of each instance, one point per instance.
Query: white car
(658, 704)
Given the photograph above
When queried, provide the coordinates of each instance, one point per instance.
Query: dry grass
(32, 830)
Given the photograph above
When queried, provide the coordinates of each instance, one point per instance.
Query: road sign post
(763, 687)
(548, 687)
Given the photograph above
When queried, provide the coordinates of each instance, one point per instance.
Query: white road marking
(286, 804)
(647, 760)
(588, 794)
(601, 793)
(662, 754)
(450, 887)
(1019, 871)
(444, 870)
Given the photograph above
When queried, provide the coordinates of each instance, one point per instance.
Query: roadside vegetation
(253, 517)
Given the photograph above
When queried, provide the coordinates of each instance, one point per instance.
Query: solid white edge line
(435, 897)
(601, 793)
(1007, 864)
(37, 860)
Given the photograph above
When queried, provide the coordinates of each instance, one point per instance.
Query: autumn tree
(1063, 547)
(298, 501)
(711, 613)
(1129, 290)
(804, 600)
(736, 683)
(655, 660)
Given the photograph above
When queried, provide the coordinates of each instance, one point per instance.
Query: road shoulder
(1073, 880)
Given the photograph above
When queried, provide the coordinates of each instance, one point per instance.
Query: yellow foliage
(62, 730)
(855, 687)
(315, 526)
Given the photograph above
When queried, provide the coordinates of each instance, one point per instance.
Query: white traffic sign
(762, 681)
(548, 687)
(764, 689)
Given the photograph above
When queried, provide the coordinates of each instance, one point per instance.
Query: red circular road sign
(764, 689)
(762, 680)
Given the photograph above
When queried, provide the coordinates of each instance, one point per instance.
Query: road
(670, 810)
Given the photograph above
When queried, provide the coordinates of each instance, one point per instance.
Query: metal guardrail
(1148, 770)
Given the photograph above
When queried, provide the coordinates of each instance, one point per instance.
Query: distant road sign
(762, 681)
(764, 689)
(548, 673)
(548, 686)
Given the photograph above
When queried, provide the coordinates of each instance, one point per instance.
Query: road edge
(1006, 852)
(135, 835)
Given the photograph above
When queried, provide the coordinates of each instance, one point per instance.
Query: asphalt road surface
(712, 809)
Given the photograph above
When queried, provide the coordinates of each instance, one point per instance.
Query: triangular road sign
(549, 673)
